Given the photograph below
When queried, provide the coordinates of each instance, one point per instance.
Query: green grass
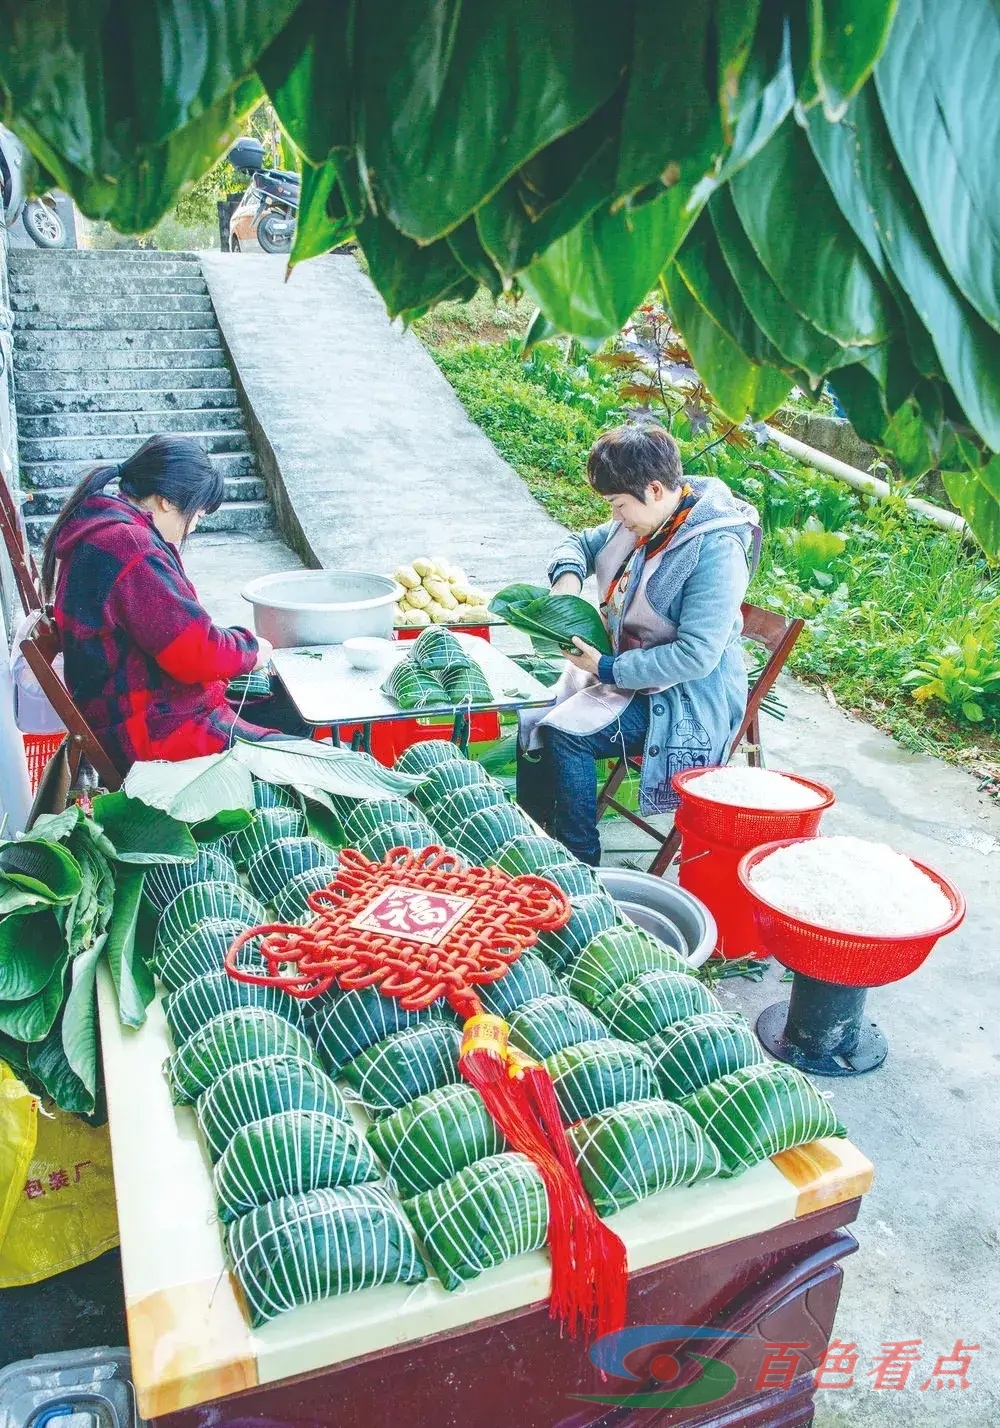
(890, 592)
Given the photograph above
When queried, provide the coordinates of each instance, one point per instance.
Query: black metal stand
(821, 1029)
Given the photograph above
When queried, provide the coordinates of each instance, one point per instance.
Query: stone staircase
(112, 347)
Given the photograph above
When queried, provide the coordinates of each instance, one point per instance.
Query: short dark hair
(627, 459)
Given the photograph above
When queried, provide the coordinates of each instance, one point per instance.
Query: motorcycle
(269, 208)
(40, 216)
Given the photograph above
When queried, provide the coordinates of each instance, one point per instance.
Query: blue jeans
(558, 785)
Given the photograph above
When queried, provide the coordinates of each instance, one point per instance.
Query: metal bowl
(667, 911)
(322, 607)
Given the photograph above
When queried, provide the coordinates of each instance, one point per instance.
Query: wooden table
(326, 691)
(757, 1253)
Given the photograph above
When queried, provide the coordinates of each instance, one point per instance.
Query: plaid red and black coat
(143, 659)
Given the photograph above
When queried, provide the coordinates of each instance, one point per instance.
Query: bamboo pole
(863, 480)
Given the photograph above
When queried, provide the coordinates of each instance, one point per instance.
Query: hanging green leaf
(807, 247)
(965, 223)
(704, 270)
(740, 387)
(31, 1020)
(132, 978)
(975, 490)
(411, 278)
(30, 946)
(322, 222)
(307, 71)
(466, 246)
(968, 348)
(79, 1019)
(142, 834)
(846, 39)
(590, 282)
(800, 343)
(48, 1065)
(499, 72)
(764, 92)
(194, 790)
(41, 867)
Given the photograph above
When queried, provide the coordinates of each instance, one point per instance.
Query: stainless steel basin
(667, 911)
(322, 607)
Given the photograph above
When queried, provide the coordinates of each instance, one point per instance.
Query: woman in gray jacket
(672, 568)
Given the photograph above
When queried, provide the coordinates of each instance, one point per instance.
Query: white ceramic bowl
(366, 652)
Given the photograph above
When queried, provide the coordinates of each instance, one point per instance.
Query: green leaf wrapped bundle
(268, 826)
(225, 901)
(435, 1137)
(524, 980)
(404, 1066)
(421, 758)
(255, 1090)
(654, 1001)
(382, 840)
(530, 853)
(576, 880)
(288, 1154)
(436, 651)
(292, 903)
(485, 832)
(445, 778)
(700, 1049)
(273, 869)
(203, 951)
(594, 913)
(353, 1021)
(456, 807)
(165, 881)
(615, 958)
(413, 688)
(760, 1111)
(491, 1211)
(245, 1034)
(325, 1242)
(594, 1076)
(467, 686)
(197, 1002)
(549, 1024)
(370, 817)
(636, 1150)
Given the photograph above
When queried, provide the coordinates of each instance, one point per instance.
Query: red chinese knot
(419, 925)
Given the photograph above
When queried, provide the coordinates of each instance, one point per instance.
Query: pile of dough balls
(437, 593)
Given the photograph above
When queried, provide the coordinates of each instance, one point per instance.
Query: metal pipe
(863, 480)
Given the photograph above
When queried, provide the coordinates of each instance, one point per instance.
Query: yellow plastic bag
(63, 1211)
(18, 1133)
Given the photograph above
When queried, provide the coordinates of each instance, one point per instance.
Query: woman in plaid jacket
(143, 660)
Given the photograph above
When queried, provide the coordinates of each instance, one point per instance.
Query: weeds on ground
(902, 619)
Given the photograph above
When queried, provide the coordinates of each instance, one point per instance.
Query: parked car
(265, 216)
(40, 216)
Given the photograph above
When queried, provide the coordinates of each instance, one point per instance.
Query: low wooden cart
(757, 1256)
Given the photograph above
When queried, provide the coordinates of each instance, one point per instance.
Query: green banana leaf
(557, 617)
(79, 1018)
(845, 40)
(40, 867)
(132, 978)
(307, 73)
(47, 1065)
(32, 1019)
(31, 945)
(141, 834)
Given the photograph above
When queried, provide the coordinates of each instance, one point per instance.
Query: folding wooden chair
(40, 645)
(777, 636)
(26, 576)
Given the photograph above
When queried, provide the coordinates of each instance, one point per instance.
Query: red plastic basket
(744, 828)
(38, 749)
(844, 958)
(708, 870)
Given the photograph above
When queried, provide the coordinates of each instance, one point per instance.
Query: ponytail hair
(174, 467)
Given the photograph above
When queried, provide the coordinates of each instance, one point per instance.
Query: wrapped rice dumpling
(616, 957)
(637, 1149)
(245, 1034)
(700, 1049)
(254, 1090)
(548, 1024)
(288, 1154)
(404, 1066)
(593, 1076)
(654, 1001)
(434, 1137)
(760, 1111)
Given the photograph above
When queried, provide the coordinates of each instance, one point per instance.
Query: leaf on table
(41, 867)
(194, 789)
(132, 978)
(337, 771)
(230, 820)
(30, 946)
(322, 818)
(32, 1020)
(79, 1020)
(143, 834)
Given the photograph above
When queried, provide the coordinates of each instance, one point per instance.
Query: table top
(189, 1338)
(326, 690)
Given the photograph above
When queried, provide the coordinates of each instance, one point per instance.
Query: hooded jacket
(682, 630)
(143, 660)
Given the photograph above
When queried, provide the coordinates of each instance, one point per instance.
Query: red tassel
(589, 1267)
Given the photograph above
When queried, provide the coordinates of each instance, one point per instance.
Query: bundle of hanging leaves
(70, 896)
(812, 184)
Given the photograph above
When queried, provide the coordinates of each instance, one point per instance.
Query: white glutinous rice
(851, 885)
(747, 787)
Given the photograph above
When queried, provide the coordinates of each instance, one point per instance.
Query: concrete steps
(110, 348)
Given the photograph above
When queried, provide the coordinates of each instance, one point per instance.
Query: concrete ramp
(374, 458)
